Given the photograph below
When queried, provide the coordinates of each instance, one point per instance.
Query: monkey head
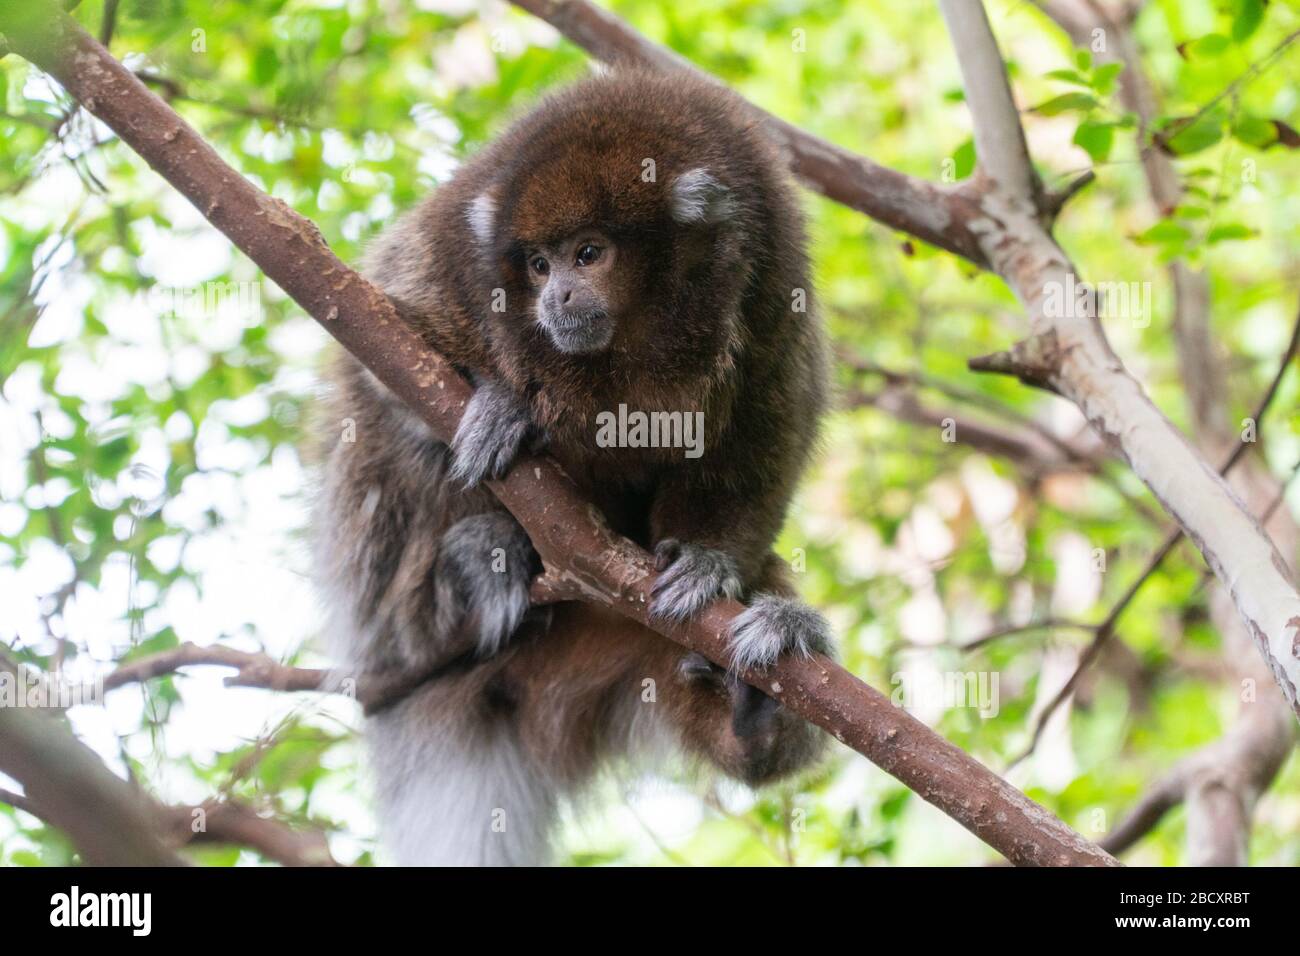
(614, 220)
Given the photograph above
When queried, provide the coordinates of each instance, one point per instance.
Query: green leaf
(964, 159)
(1064, 102)
(1095, 138)
(265, 65)
(1212, 44)
(1183, 137)
(1105, 77)
(1231, 230)
(1246, 18)
(1070, 76)
(1256, 132)
(1165, 232)
(1084, 59)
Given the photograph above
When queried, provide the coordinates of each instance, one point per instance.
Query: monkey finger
(666, 552)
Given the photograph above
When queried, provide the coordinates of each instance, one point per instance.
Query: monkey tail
(454, 787)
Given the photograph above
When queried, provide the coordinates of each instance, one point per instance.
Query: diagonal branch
(572, 538)
(1106, 629)
(1245, 761)
(1073, 357)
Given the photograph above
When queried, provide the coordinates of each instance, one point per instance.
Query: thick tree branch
(71, 788)
(570, 535)
(1250, 755)
(1073, 357)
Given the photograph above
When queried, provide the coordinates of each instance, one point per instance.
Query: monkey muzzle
(577, 331)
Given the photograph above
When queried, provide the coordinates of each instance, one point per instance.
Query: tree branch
(374, 691)
(73, 790)
(999, 138)
(235, 823)
(1262, 733)
(219, 822)
(254, 670)
(1077, 361)
(1025, 448)
(572, 538)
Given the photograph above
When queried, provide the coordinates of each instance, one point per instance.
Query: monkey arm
(734, 498)
(712, 536)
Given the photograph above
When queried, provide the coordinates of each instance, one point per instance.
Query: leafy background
(154, 481)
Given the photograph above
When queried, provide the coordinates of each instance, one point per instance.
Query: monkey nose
(568, 294)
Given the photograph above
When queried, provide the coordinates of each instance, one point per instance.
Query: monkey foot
(485, 566)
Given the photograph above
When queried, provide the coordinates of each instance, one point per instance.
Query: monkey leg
(736, 726)
(598, 685)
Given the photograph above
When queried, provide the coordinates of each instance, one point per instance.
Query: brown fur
(709, 328)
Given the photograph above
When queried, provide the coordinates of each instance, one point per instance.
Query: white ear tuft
(696, 197)
(481, 214)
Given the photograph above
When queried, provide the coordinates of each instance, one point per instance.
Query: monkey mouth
(578, 332)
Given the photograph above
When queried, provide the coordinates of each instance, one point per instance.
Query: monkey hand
(491, 434)
(774, 625)
(485, 565)
(692, 577)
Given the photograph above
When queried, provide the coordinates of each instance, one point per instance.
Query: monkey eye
(540, 266)
(588, 254)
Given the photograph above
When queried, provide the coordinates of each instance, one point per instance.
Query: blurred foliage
(143, 448)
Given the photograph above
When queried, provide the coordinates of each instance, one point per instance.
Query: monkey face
(576, 290)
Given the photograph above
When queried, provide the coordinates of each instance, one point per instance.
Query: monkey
(635, 241)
